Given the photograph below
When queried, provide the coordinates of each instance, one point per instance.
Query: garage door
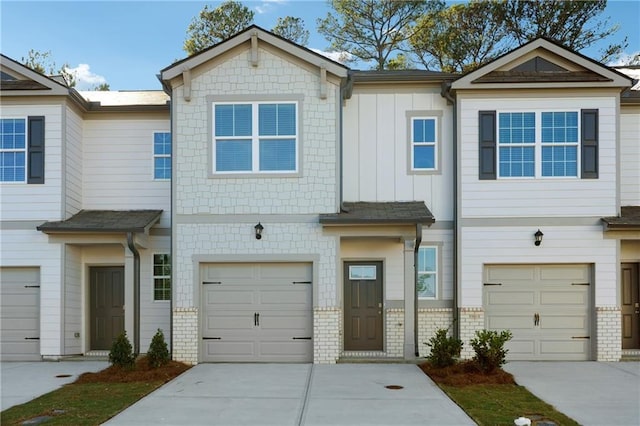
(19, 314)
(257, 312)
(545, 306)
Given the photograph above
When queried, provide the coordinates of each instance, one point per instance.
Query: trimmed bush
(121, 353)
(158, 354)
(489, 348)
(445, 350)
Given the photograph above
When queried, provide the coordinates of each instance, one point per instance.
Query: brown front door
(107, 305)
(363, 306)
(630, 306)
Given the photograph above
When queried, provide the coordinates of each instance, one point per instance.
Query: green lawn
(80, 404)
(502, 404)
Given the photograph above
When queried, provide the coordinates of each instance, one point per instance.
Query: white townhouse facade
(274, 206)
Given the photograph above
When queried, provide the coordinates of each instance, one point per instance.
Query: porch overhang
(628, 220)
(104, 222)
(380, 213)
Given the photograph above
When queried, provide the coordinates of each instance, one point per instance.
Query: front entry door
(363, 306)
(107, 305)
(630, 306)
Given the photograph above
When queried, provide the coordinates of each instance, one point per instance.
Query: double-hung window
(13, 150)
(559, 143)
(256, 137)
(161, 155)
(427, 272)
(516, 144)
(161, 277)
(423, 143)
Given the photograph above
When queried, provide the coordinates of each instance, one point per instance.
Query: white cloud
(85, 79)
(342, 57)
(624, 59)
(267, 6)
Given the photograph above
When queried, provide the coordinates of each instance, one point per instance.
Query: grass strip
(500, 404)
(80, 403)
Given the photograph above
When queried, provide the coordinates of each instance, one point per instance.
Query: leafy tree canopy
(212, 26)
(292, 29)
(371, 30)
(43, 63)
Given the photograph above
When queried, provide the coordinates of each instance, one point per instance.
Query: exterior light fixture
(259, 229)
(538, 235)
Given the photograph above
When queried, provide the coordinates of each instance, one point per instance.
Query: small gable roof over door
(253, 34)
(542, 61)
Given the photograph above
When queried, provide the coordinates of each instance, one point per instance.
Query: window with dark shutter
(35, 151)
(589, 144)
(487, 148)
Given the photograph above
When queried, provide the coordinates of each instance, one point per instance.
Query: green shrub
(444, 349)
(121, 353)
(158, 354)
(489, 348)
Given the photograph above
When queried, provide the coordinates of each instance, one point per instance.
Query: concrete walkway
(296, 394)
(23, 381)
(591, 393)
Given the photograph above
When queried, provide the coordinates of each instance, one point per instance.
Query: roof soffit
(245, 36)
(511, 69)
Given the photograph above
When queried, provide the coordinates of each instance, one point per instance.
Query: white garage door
(257, 312)
(19, 314)
(546, 307)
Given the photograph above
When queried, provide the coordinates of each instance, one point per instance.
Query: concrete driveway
(591, 393)
(23, 381)
(296, 394)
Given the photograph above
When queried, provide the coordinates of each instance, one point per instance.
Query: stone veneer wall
(609, 330)
(471, 320)
(185, 333)
(327, 335)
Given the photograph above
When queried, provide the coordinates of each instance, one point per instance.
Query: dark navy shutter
(35, 152)
(487, 151)
(589, 144)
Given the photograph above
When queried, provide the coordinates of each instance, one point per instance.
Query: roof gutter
(136, 293)
(445, 92)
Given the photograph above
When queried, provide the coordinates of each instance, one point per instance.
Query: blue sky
(127, 43)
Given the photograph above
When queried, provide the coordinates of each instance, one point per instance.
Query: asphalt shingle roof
(629, 219)
(396, 212)
(104, 221)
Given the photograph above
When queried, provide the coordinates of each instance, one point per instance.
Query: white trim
(414, 144)
(154, 155)
(154, 277)
(436, 273)
(25, 150)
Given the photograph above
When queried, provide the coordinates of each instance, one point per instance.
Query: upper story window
(423, 143)
(161, 155)
(427, 272)
(256, 137)
(13, 150)
(538, 144)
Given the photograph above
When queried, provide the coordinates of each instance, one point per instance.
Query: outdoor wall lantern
(259, 229)
(538, 235)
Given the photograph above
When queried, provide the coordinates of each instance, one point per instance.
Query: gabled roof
(244, 36)
(542, 61)
(26, 81)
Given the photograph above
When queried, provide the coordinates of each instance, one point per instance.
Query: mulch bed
(466, 373)
(142, 372)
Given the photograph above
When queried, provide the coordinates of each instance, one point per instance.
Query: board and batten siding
(313, 190)
(535, 197)
(630, 156)
(376, 148)
(72, 300)
(496, 245)
(31, 249)
(22, 201)
(118, 165)
(73, 162)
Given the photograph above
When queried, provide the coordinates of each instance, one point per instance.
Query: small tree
(121, 353)
(489, 348)
(158, 354)
(444, 349)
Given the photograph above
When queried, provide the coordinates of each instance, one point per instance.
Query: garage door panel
(545, 292)
(256, 311)
(19, 314)
(510, 298)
